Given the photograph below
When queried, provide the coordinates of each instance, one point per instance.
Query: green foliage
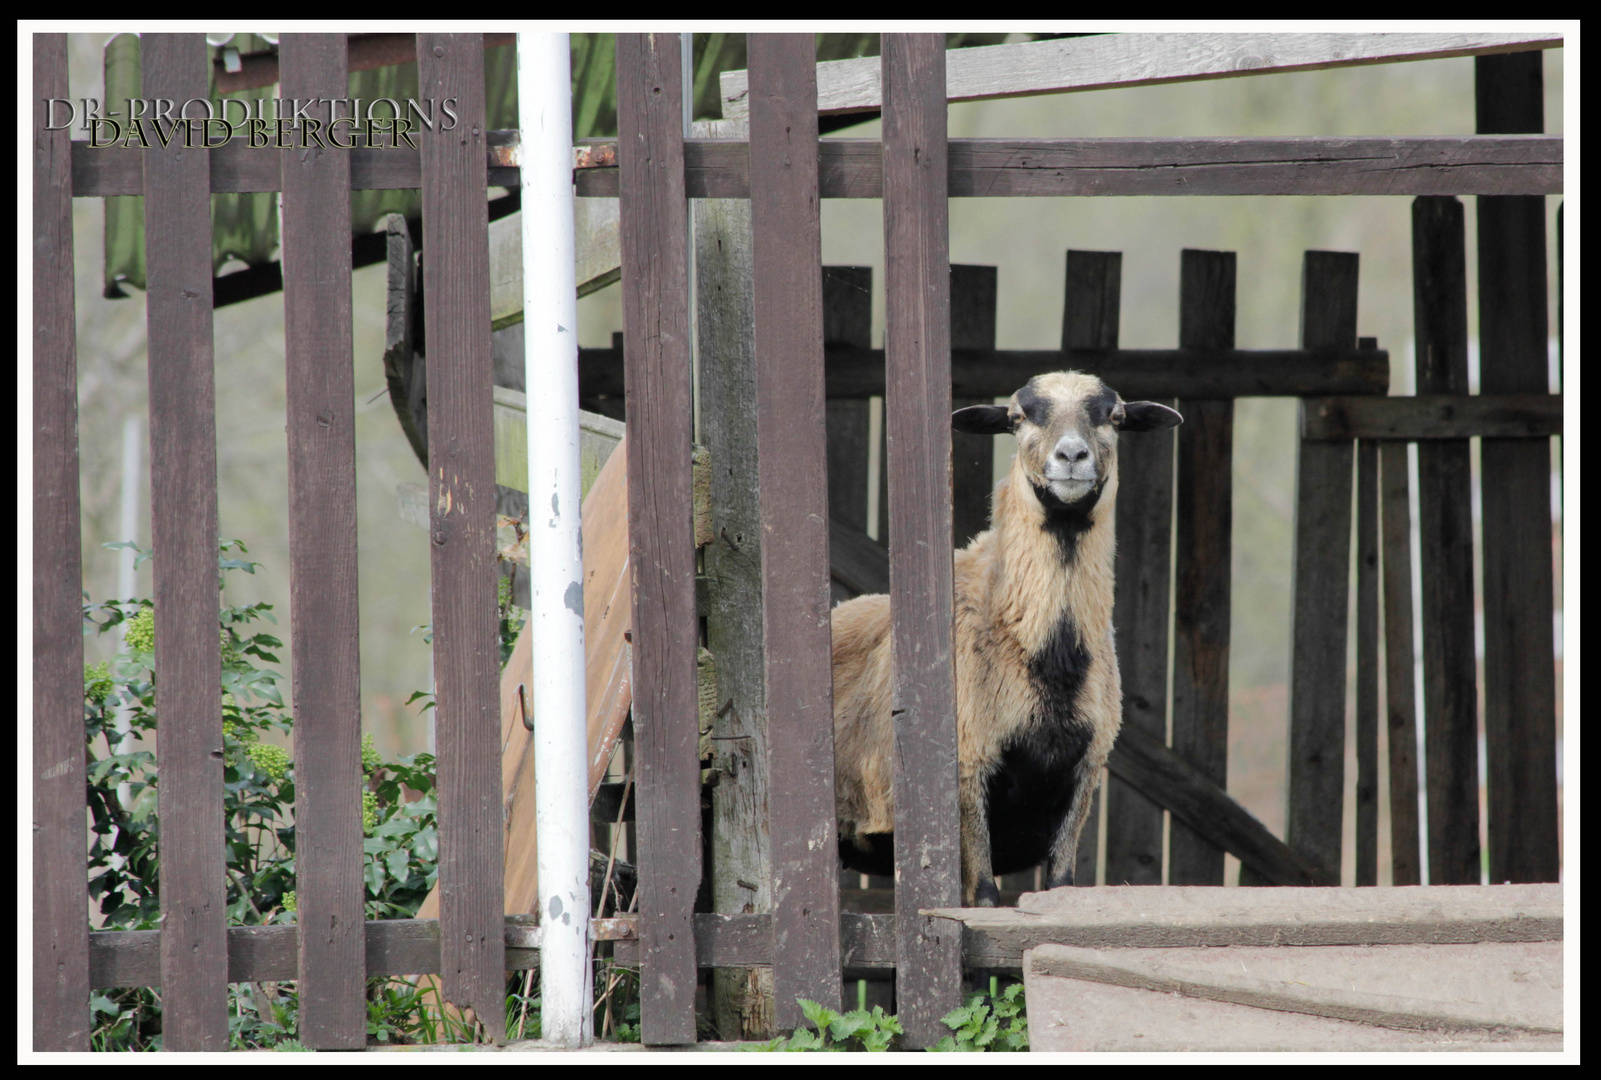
(836, 1032)
(988, 1023)
(401, 841)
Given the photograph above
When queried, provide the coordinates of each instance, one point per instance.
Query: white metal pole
(550, 317)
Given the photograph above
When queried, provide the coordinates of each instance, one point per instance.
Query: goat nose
(1070, 450)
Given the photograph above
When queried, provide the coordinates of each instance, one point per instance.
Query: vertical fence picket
(183, 519)
(1090, 313)
(742, 998)
(1319, 586)
(1367, 662)
(461, 470)
(60, 931)
(1520, 685)
(928, 958)
(791, 461)
(1203, 542)
(650, 158)
(322, 537)
(1445, 526)
(1400, 703)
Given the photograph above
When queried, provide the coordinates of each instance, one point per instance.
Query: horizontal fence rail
(853, 168)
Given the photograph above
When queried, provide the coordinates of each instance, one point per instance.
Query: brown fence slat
(917, 417)
(1090, 311)
(60, 930)
(1520, 660)
(1445, 527)
(1201, 573)
(791, 436)
(661, 539)
(461, 472)
(183, 520)
(972, 456)
(1367, 662)
(1320, 583)
(322, 536)
(1400, 689)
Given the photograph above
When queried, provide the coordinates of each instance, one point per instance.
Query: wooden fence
(807, 371)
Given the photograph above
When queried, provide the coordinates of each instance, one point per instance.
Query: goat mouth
(1069, 489)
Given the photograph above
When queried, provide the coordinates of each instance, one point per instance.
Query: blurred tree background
(1025, 238)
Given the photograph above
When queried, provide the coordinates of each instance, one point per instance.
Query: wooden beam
(1433, 416)
(1223, 165)
(1105, 61)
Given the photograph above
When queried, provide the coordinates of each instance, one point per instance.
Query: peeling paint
(573, 598)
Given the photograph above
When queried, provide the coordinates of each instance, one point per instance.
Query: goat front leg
(1064, 850)
(978, 877)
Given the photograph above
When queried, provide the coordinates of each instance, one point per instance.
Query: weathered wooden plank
(1171, 783)
(1400, 701)
(1200, 916)
(1434, 416)
(1445, 527)
(661, 538)
(848, 320)
(792, 461)
(1222, 165)
(1367, 663)
(1102, 61)
(917, 418)
(857, 373)
(1090, 312)
(1205, 520)
(1520, 661)
(322, 556)
(1319, 585)
(462, 493)
(60, 931)
(973, 294)
(741, 874)
(183, 519)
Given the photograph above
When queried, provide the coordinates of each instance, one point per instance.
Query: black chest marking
(1029, 793)
(1066, 522)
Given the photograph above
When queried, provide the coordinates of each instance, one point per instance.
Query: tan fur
(1011, 590)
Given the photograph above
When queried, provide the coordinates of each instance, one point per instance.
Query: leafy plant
(988, 1023)
(836, 1032)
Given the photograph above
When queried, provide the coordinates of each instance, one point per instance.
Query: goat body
(1038, 699)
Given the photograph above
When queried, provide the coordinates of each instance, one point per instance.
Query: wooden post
(928, 960)
(60, 926)
(1144, 511)
(1320, 584)
(1400, 701)
(1367, 662)
(1203, 542)
(792, 461)
(183, 525)
(1439, 302)
(461, 472)
(1520, 660)
(742, 998)
(650, 157)
(322, 536)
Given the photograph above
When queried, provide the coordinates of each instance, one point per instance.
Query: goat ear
(982, 420)
(1148, 416)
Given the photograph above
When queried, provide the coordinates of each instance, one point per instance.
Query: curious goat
(1038, 700)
